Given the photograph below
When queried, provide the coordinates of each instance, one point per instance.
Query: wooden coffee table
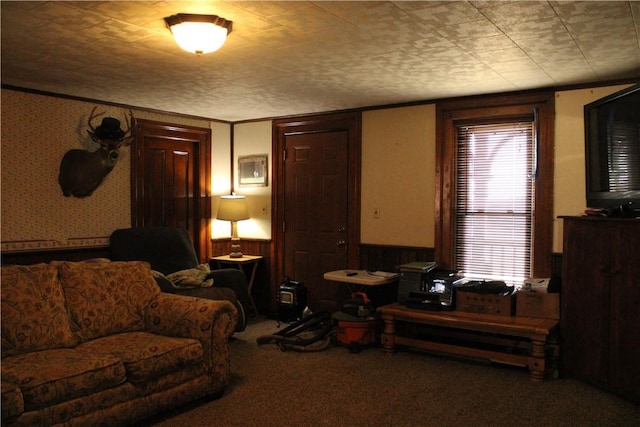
(530, 335)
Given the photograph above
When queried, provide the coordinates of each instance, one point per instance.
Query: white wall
(220, 173)
(569, 185)
(398, 172)
(249, 139)
(398, 176)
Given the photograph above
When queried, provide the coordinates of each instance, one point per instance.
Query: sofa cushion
(34, 314)
(12, 402)
(53, 376)
(107, 298)
(147, 356)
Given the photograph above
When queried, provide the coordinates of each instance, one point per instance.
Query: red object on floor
(356, 334)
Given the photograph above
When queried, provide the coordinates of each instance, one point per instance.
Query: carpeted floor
(334, 387)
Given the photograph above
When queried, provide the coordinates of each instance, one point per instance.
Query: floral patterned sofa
(99, 344)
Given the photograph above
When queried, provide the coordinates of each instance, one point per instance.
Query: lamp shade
(198, 33)
(233, 208)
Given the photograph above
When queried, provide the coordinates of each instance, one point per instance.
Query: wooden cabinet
(600, 311)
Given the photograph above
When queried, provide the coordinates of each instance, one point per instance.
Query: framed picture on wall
(253, 171)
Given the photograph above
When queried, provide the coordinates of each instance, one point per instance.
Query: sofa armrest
(210, 321)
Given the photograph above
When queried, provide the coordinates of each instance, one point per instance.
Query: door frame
(350, 122)
(202, 204)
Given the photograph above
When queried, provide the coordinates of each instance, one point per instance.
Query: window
(494, 203)
(494, 215)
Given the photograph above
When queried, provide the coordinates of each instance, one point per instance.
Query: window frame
(488, 109)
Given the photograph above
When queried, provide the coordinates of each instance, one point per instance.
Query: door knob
(342, 242)
(342, 229)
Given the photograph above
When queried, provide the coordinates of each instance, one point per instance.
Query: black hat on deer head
(109, 129)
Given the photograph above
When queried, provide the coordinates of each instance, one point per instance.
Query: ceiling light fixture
(198, 33)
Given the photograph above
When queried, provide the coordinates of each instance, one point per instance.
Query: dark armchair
(169, 250)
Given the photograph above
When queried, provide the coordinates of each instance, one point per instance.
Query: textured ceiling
(289, 58)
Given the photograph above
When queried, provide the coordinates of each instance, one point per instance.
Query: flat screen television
(612, 153)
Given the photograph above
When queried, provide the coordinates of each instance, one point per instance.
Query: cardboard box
(473, 302)
(538, 304)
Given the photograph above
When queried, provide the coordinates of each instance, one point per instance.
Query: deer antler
(127, 139)
(91, 117)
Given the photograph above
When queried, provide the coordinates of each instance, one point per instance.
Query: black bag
(493, 287)
(358, 305)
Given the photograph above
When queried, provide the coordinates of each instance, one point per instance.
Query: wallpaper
(36, 132)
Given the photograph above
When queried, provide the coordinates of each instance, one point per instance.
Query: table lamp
(233, 208)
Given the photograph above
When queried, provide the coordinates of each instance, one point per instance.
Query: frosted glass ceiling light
(198, 33)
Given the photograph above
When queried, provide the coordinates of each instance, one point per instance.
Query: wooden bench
(459, 333)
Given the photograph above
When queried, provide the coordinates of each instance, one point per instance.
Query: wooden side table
(534, 336)
(253, 260)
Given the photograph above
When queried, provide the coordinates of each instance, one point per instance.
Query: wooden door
(316, 225)
(170, 180)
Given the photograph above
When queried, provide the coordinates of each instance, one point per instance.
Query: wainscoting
(264, 292)
(372, 257)
(388, 258)
(35, 257)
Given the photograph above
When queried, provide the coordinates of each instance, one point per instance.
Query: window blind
(623, 152)
(494, 201)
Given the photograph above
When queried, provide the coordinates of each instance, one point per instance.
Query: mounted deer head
(82, 171)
